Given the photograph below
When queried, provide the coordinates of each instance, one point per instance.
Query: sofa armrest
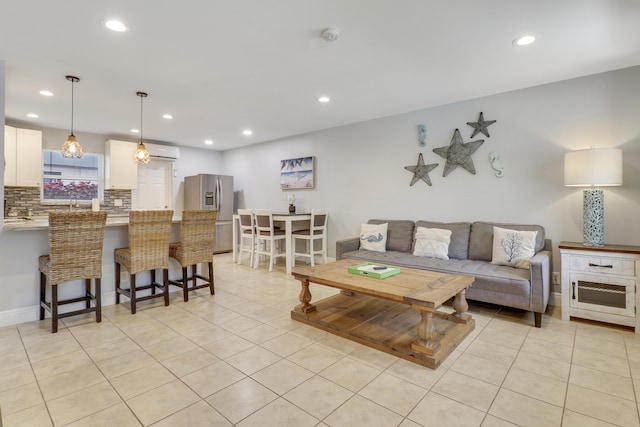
(540, 269)
(347, 245)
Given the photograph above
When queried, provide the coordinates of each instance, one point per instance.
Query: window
(65, 179)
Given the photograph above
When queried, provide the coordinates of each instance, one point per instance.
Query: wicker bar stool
(195, 246)
(75, 253)
(148, 250)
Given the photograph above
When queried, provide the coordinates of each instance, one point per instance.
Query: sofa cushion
(481, 238)
(432, 242)
(513, 248)
(373, 237)
(399, 234)
(459, 246)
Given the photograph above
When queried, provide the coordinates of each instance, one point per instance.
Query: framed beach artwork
(297, 173)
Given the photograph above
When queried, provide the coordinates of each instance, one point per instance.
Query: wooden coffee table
(398, 315)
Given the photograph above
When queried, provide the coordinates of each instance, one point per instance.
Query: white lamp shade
(593, 167)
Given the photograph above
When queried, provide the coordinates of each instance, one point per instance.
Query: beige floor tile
(212, 378)
(415, 374)
(365, 411)
(407, 423)
(491, 351)
(239, 324)
(124, 363)
(282, 376)
(350, 374)
(197, 415)
(315, 358)
(435, 410)
(14, 359)
(595, 345)
(491, 421)
(573, 419)
(502, 338)
(20, 398)
(71, 381)
(16, 378)
(61, 364)
(401, 400)
(190, 361)
(277, 414)
(82, 403)
(533, 385)
(603, 382)
(228, 346)
(35, 416)
(601, 406)
(117, 415)
(170, 348)
(339, 344)
(207, 335)
(39, 337)
(464, 389)
(309, 332)
(560, 337)
(547, 349)
(57, 347)
(510, 325)
(599, 332)
(252, 360)
(161, 402)
(241, 399)
(148, 337)
(318, 396)
(544, 366)
(601, 362)
(376, 358)
(137, 382)
(480, 368)
(286, 344)
(525, 411)
(261, 333)
(111, 349)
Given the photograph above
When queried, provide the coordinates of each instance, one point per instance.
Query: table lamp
(594, 167)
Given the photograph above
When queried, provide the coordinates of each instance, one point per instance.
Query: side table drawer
(622, 267)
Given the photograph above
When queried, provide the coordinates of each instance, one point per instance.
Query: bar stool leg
(43, 293)
(153, 280)
(117, 283)
(98, 300)
(54, 309)
(211, 285)
(132, 291)
(185, 284)
(165, 281)
(87, 293)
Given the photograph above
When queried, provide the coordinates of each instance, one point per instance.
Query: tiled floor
(238, 359)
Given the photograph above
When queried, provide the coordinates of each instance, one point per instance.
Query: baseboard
(556, 299)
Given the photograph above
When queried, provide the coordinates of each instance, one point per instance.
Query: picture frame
(297, 173)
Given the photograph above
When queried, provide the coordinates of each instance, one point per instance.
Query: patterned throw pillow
(373, 237)
(432, 242)
(513, 248)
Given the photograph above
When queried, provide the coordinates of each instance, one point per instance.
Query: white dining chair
(267, 237)
(316, 232)
(247, 235)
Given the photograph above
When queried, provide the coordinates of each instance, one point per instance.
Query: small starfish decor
(458, 153)
(481, 126)
(421, 171)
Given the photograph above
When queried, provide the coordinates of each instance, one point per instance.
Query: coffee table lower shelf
(384, 325)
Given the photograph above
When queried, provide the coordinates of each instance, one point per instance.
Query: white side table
(599, 283)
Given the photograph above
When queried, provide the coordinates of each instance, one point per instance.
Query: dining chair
(148, 250)
(267, 237)
(317, 231)
(75, 253)
(196, 246)
(247, 235)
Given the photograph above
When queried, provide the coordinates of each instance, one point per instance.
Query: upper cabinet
(121, 172)
(22, 157)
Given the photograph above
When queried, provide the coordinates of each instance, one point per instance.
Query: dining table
(290, 220)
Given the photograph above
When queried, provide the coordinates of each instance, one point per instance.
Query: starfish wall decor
(458, 153)
(421, 171)
(481, 126)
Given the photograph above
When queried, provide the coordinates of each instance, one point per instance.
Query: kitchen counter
(42, 222)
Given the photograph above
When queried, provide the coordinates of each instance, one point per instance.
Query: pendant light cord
(71, 106)
(141, 98)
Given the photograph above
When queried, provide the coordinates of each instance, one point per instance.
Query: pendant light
(71, 149)
(142, 155)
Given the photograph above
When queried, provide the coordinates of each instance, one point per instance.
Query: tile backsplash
(23, 198)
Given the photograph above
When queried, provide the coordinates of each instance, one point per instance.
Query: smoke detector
(331, 34)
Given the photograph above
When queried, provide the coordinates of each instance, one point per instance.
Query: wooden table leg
(427, 341)
(460, 306)
(305, 297)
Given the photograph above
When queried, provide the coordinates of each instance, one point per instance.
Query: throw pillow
(373, 237)
(432, 242)
(512, 247)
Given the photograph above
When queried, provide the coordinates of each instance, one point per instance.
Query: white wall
(360, 168)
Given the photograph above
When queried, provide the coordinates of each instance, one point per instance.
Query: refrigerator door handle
(218, 195)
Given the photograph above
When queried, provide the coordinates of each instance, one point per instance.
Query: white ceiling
(220, 66)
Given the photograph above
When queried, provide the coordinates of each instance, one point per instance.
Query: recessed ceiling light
(115, 25)
(208, 142)
(324, 99)
(167, 116)
(247, 132)
(524, 41)
(135, 130)
(46, 93)
(33, 115)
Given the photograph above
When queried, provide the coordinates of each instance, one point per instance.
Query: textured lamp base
(593, 217)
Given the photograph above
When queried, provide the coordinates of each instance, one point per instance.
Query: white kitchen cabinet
(599, 283)
(23, 157)
(121, 172)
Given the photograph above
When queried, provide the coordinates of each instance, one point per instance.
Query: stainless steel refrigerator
(206, 191)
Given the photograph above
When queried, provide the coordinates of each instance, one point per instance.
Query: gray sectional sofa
(470, 252)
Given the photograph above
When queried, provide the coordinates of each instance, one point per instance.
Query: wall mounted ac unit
(165, 152)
